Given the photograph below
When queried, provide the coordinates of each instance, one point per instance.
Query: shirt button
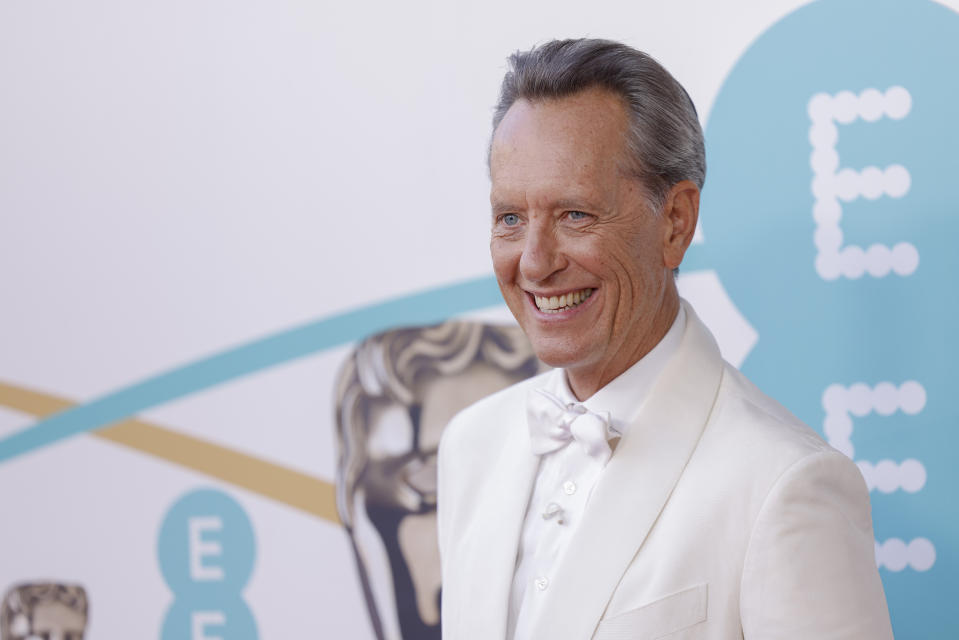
(569, 487)
(541, 583)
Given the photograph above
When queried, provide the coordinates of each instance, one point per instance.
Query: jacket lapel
(634, 487)
(490, 548)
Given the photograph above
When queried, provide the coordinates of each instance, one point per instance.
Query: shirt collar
(625, 395)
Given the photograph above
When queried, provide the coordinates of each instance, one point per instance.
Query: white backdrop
(180, 178)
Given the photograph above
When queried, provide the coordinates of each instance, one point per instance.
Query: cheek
(631, 268)
(505, 259)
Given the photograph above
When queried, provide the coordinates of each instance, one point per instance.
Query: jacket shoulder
(481, 425)
(769, 427)
(469, 447)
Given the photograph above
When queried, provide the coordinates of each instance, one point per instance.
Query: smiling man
(643, 488)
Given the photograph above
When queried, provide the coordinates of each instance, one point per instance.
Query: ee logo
(206, 552)
(830, 219)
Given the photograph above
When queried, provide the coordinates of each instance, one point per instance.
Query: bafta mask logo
(395, 394)
(44, 610)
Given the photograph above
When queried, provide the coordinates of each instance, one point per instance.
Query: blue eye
(577, 215)
(510, 219)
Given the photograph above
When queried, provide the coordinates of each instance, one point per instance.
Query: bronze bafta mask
(395, 394)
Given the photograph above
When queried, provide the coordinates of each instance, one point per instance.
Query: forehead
(577, 141)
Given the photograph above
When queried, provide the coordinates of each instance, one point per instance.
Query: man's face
(568, 220)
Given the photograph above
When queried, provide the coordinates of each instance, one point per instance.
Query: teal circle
(758, 227)
(238, 621)
(217, 519)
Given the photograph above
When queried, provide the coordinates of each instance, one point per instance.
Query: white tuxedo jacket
(720, 515)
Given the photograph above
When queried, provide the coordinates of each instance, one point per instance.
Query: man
(645, 488)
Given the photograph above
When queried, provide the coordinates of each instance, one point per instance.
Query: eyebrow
(568, 204)
(503, 207)
(574, 205)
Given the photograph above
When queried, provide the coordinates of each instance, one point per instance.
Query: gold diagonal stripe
(34, 403)
(298, 490)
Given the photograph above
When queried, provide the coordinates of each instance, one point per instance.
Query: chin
(558, 356)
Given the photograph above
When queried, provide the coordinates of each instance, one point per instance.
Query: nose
(542, 255)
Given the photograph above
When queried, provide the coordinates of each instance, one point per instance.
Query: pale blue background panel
(874, 315)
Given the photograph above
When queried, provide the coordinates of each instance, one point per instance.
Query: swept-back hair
(665, 141)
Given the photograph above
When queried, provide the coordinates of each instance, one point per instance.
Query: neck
(586, 380)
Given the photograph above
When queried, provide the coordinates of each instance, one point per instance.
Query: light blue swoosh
(423, 308)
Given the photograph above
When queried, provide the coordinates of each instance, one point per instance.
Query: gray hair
(665, 140)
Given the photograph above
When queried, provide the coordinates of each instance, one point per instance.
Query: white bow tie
(553, 423)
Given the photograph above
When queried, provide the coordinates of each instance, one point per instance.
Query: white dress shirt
(566, 477)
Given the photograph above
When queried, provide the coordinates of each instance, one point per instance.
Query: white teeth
(554, 304)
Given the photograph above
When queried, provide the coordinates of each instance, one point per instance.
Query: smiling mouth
(565, 302)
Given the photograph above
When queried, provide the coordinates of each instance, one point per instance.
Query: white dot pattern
(830, 184)
(895, 554)
(885, 476)
(885, 399)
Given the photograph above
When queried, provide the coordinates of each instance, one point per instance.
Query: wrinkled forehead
(594, 111)
(567, 147)
(594, 114)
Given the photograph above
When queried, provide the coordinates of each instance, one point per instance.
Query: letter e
(200, 548)
(201, 619)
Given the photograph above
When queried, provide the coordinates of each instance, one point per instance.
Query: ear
(680, 212)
